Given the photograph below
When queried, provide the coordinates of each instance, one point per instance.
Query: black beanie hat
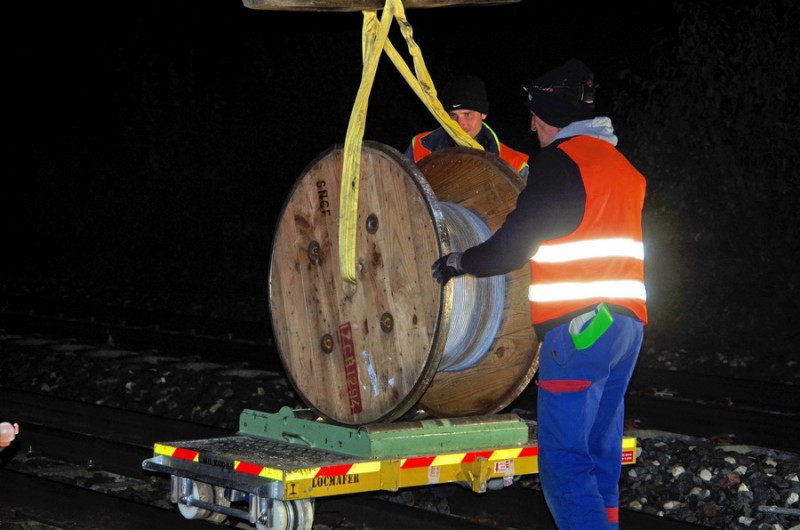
(465, 92)
(563, 95)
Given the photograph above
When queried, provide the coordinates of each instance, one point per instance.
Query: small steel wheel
(291, 515)
(280, 518)
(304, 514)
(219, 499)
(206, 493)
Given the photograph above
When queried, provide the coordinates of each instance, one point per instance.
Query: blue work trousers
(580, 422)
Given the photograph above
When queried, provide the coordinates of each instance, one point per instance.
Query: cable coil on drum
(479, 300)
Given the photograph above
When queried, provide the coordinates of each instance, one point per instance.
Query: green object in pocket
(599, 320)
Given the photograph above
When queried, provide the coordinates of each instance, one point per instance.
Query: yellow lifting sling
(374, 40)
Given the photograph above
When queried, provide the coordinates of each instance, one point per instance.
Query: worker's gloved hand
(447, 267)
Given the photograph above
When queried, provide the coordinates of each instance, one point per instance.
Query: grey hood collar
(599, 127)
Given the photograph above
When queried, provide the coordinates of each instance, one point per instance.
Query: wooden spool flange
(370, 351)
(365, 352)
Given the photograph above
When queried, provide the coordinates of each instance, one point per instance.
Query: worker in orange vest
(578, 222)
(464, 99)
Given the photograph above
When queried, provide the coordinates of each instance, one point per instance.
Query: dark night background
(153, 143)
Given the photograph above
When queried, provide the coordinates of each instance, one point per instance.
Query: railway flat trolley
(272, 469)
(365, 356)
(365, 333)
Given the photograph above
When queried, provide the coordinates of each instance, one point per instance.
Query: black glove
(447, 267)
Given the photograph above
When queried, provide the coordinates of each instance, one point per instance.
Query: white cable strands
(477, 302)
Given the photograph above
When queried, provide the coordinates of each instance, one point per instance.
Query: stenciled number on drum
(350, 368)
(322, 195)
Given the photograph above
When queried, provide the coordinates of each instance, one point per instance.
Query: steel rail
(85, 435)
(756, 412)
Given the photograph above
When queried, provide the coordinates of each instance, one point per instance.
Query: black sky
(161, 122)
(87, 67)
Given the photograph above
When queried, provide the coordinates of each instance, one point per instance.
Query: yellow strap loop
(374, 40)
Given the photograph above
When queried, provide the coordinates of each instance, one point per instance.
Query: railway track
(41, 502)
(754, 412)
(81, 469)
(758, 413)
(78, 465)
(169, 331)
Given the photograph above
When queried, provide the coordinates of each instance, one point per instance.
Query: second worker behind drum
(464, 99)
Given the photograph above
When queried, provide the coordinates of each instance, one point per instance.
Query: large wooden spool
(371, 351)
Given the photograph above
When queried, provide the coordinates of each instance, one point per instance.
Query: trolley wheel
(304, 511)
(280, 517)
(290, 515)
(206, 493)
(219, 499)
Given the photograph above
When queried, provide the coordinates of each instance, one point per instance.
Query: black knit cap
(465, 92)
(563, 95)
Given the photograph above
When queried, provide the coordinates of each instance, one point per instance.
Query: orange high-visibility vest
(515, 159)
(603, 258)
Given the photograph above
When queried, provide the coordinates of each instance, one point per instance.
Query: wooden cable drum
(370, 351)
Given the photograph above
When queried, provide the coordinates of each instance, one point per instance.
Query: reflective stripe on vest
(603, 258)
(606, 290)
(597, 248)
